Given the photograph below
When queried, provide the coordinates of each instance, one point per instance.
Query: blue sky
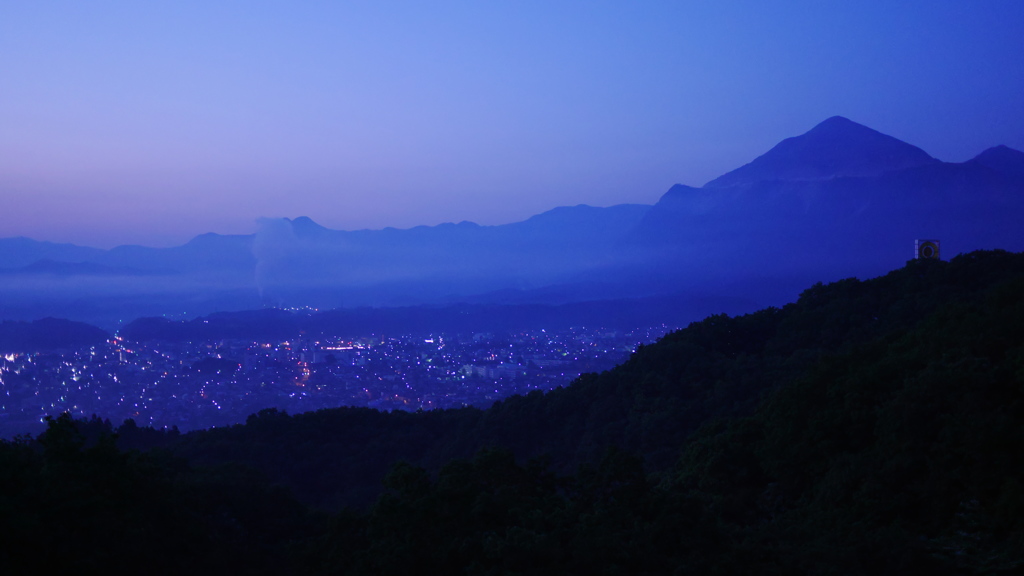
(151, 122)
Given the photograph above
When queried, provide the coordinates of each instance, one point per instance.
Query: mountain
(1004, 160)
(19, 252)
(840, 200)
(299, 262)
(305, 227)
(56, 268)
(835, 148)
(216, 254)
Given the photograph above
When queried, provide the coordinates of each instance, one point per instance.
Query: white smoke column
(274, 242)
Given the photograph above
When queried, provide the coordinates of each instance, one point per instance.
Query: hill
(47, 335)
(871, 427)
(717, 368)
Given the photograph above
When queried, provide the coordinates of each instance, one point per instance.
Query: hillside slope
(717, 368)
(871, 427)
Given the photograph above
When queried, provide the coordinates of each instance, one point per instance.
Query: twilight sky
(151, 122)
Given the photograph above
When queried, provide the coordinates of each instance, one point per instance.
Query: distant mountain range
(840, 200)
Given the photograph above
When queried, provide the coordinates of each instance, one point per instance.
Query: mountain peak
(838, 123)
(1002, 159)
(1002, 153)
(836, 147)
(305, 226)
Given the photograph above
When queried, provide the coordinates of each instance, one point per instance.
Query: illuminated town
(201, 385)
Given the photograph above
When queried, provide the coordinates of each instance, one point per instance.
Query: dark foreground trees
(872, 427)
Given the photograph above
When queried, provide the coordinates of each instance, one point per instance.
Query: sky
(125, 122)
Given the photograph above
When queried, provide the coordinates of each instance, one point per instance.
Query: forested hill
(717, 368)
(870, 427)
(48, 334)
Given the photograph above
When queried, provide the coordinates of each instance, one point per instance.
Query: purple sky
(151, 122)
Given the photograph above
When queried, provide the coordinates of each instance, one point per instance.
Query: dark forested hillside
(48, 334)
(717, 368)
(870, 427)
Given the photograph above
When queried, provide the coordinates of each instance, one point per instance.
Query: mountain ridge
(839, 200)
(1002, 159)
(836, 147)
